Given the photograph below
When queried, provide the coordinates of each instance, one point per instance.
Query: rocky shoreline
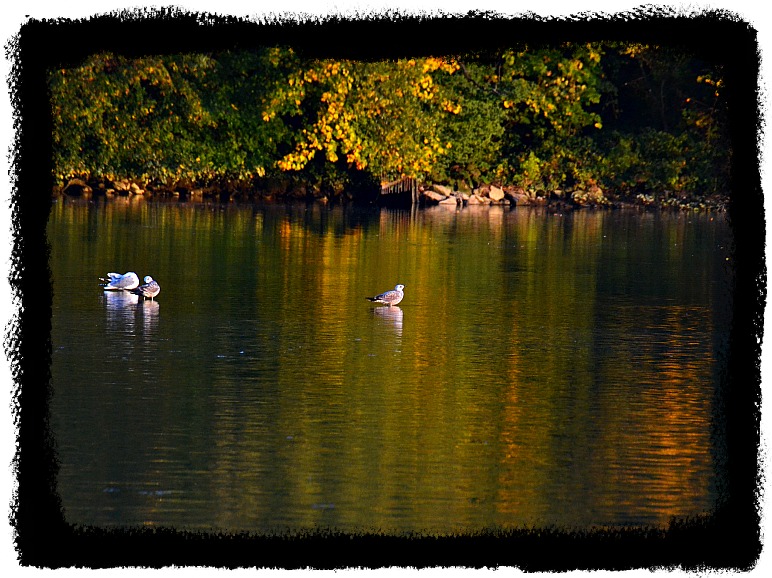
(560, 200)
(429, 195)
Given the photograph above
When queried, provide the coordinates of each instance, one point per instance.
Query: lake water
(541, 369)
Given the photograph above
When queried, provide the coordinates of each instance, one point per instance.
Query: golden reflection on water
(540, 370)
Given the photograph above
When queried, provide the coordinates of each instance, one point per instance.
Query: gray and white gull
(389, 297)
(149, 290)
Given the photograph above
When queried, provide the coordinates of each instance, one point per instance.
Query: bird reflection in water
(127, 312)
(391, 316)
(120, 310)
(148, 313)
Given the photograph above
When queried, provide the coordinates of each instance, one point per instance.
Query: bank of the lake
(288, 190)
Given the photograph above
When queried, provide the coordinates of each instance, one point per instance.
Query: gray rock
(434, 196)
(593, 196)
(478, 200)
(496, 193)
(519, 198)
(443, 190)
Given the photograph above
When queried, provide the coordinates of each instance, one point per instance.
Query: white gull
(118, 282)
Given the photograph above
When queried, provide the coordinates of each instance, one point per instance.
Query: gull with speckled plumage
(389, 297)
(149, 290)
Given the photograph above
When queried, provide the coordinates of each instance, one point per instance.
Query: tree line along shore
(568, 125)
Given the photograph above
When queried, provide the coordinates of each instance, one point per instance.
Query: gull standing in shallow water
(389, 297)
(149, 290)
(118, 282)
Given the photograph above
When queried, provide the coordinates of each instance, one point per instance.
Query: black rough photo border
(729, 538)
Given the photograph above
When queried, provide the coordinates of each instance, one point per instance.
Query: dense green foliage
(630, 118)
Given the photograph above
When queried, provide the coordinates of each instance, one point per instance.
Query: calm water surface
(541, 370)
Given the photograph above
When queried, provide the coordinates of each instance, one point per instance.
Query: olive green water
(541, 370)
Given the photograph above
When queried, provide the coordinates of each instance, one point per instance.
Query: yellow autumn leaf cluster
(365, 113)
(446, 65)
(450, 107)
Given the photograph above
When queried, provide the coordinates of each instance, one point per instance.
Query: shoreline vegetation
(569, 125)
(428, 195)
